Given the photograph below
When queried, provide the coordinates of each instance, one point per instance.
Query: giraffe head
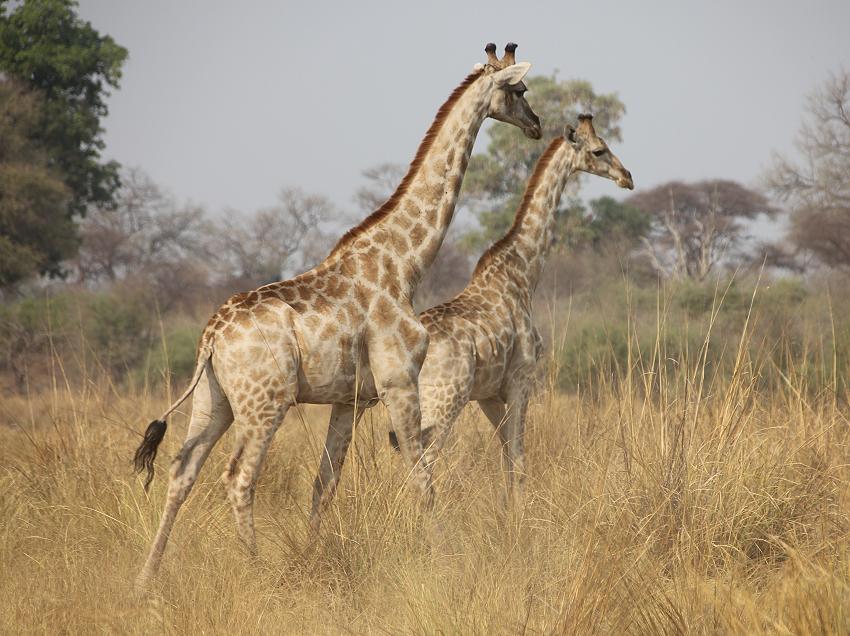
(507, 98)
(593, 155)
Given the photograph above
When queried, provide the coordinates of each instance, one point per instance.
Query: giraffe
(483, 345)
(341, 330)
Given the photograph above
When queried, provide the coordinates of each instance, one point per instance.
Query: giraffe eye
(599, 153)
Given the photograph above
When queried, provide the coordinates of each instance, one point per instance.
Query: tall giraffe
(344, 329)
(483, 343)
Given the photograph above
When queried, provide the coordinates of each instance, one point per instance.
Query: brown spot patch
(288, 294)
(410, 335)
(329, 331)
(389, 281)
(361, 294)
(321, 304)
(370, 269)
(384, 312)
(337, 287)
(354, 313)
(398, 242)
(305, 292)
(418, 234)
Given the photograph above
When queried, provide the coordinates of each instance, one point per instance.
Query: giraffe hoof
(142, 585)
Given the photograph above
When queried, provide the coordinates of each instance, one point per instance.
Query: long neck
(413, 222)
(521, 253)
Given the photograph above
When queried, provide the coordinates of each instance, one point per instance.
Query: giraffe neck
(413, 222)
(521, 253)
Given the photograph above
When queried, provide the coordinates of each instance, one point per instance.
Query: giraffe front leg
(511, 429)
(402, 403)
(512, 434)
(396, 360)
(340, 428)
(441, 404)
(494, 409)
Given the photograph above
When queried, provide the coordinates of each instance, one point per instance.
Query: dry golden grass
(661, 504)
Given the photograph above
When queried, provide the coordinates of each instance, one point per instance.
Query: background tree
(275, 241)
(817, 188)
(71, 66)
(495, 180)
(695, 226)
(145, 236)
(604, 223)
(35, 232)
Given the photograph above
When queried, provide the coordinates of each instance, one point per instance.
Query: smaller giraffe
(483, 343)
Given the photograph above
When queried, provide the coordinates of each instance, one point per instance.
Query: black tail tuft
(146, 452)
(394, 440)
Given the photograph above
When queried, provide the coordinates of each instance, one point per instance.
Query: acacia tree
(817, 189)
(495, 180)
(696, 226)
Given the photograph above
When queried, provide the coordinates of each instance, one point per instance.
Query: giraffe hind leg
(256, 435)
(211, 417)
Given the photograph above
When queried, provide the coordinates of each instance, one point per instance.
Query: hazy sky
(226, 102)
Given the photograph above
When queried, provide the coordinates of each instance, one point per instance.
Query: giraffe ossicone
(343, 333)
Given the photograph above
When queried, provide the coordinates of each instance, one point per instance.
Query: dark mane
(530, 188)
(378, 215)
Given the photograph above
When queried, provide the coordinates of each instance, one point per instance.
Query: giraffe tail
(394, 440)
(146, 452)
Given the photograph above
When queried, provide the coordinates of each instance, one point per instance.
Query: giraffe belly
(491, 363)
(488, 381)
(330, 373)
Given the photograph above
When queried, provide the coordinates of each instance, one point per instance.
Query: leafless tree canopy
(817, 188)
(696, 225)
(382, 181)
(146, 231)
(148, 236)
(270, 244)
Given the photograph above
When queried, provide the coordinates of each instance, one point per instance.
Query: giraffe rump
(146, 452)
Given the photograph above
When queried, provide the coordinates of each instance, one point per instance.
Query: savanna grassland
(686, 473)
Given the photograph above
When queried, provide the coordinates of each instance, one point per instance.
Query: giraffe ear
(511, 75)
(570, 134)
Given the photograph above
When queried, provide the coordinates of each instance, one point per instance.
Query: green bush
(698, 299)
(120, 329)
(176, 357)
